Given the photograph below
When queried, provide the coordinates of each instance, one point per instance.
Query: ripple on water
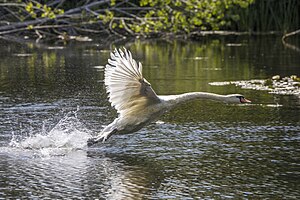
(207, 159)
(203, 159)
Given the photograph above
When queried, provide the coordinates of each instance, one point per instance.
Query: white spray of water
(67, 135)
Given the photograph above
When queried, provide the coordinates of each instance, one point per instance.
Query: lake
(52, 99)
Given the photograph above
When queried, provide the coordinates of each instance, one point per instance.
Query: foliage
(36, 9)
(52, 18)
(190, 15)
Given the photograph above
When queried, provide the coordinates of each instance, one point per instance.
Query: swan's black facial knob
(243, 99)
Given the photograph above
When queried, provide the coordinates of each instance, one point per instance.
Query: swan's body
(134, 99)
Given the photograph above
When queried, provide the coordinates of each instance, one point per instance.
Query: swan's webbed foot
(92, 141)
(103, 136)
(95, 140)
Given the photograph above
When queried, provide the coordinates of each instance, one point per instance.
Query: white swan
(134, 99)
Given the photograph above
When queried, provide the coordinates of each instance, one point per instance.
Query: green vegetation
(270, 15)
(188, 16)
(149, 18)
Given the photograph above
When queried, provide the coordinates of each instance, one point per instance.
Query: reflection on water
(72, 176)
(53, 99)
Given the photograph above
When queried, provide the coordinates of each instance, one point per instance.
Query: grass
(270, 15)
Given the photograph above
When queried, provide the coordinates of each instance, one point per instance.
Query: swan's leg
(103, 136)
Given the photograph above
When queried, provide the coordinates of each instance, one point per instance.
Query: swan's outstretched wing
(128, 91)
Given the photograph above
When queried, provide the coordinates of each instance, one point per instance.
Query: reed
(270, 15)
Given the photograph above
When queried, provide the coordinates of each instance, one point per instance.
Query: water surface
(53, 99)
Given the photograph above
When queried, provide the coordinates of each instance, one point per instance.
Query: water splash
(68, 135)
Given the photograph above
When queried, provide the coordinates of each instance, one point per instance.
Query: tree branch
(290, 34)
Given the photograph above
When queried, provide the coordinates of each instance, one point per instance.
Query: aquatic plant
(269, 15)
(286, 85)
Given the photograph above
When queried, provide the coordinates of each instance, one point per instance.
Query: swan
(134, 99)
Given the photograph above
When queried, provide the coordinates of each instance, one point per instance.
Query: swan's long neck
(172, 100)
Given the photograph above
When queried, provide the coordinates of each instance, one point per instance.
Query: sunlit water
(52, 100)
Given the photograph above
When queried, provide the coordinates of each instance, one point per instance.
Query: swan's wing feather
(128, 91)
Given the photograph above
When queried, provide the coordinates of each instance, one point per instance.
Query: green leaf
(30, 27)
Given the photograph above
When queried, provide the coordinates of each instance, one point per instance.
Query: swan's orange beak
(243, 100)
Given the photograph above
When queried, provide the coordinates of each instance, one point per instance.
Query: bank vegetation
(79, 20)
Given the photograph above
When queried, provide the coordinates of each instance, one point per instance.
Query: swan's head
(236, 98)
